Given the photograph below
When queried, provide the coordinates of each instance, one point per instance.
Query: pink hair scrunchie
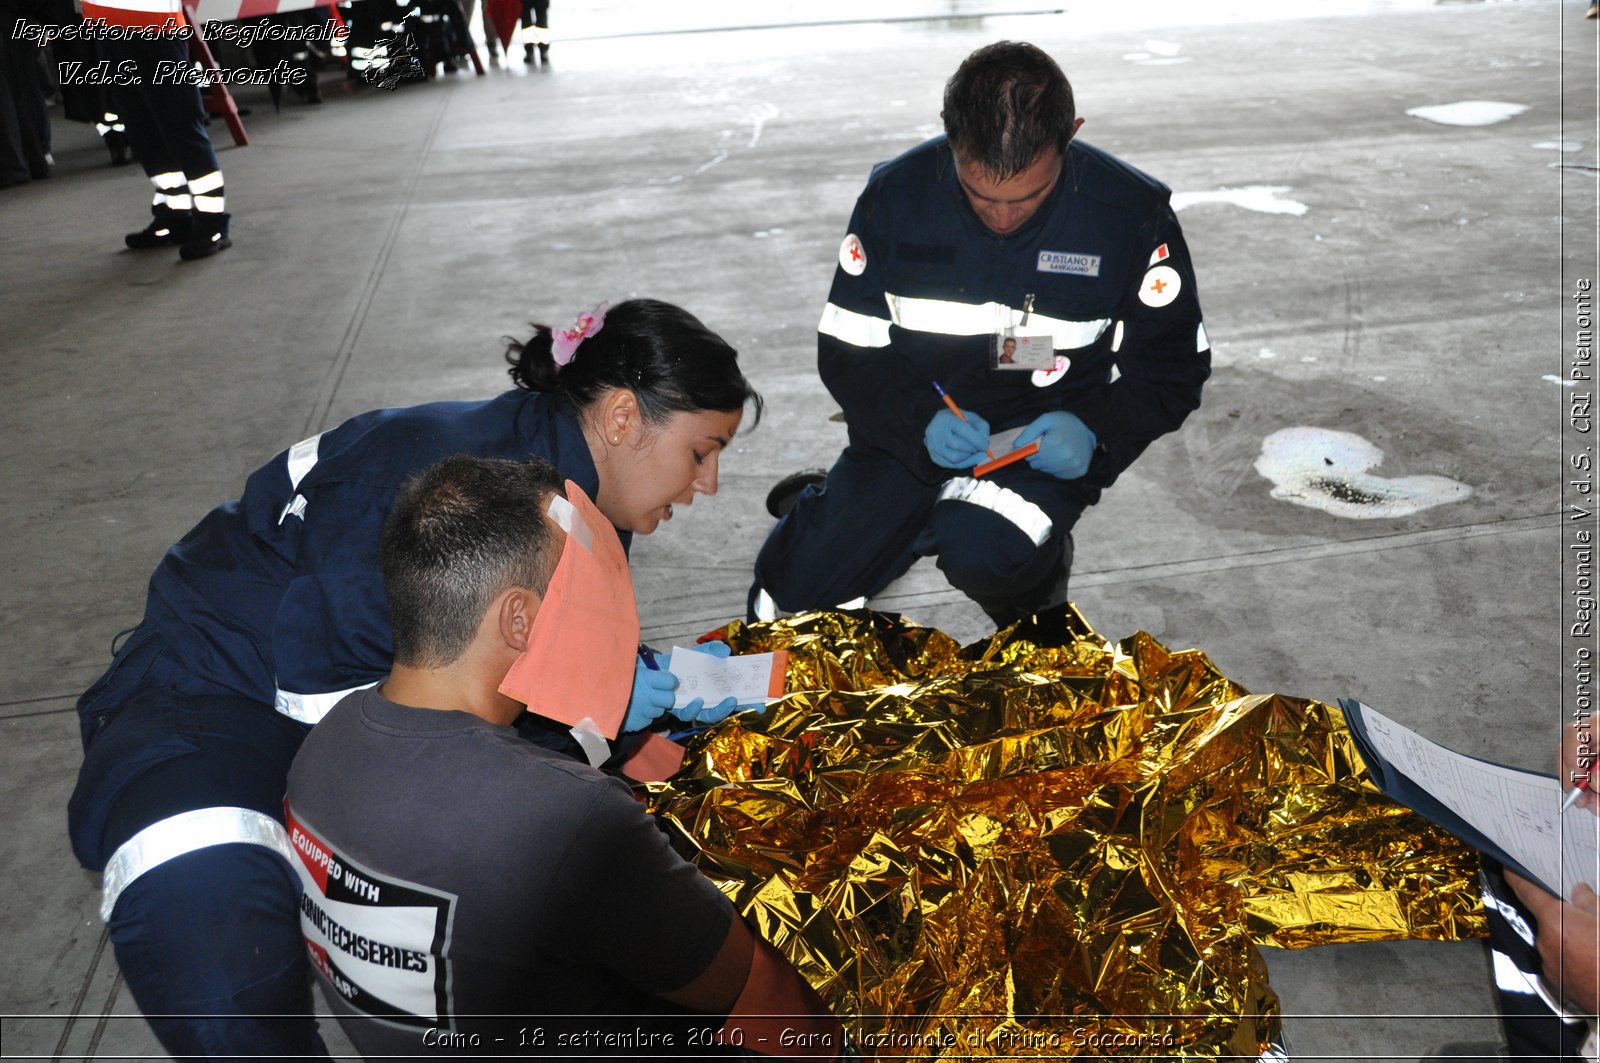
(564, 342)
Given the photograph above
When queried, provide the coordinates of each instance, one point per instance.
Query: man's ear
(515, 612)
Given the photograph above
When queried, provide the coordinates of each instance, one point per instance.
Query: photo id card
(1023, 352)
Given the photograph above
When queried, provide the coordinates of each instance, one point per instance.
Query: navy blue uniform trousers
(152, 753)
(1532, 1030)
(872, 519)
(166, 120)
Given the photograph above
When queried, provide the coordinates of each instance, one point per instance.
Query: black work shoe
(207, 236)
(168, 228)
(121, 151)
(784, 494)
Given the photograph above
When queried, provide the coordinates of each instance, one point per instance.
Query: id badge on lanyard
(1012, 348)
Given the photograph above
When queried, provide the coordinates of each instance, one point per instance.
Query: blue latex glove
(653, 693)
(954, 443)
(697, 711)
(1065, 444)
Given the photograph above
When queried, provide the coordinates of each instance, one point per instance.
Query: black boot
(207, 236)
(121, 150)
(168, 228)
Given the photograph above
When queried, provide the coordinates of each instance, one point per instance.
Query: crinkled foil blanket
(1045, 843)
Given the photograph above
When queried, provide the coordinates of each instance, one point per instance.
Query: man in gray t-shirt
(466, 889)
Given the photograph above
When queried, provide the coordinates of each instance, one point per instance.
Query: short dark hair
(1006, 103)
(460, 532)
(660, 352)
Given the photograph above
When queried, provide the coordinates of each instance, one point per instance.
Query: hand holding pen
(955, 439)
(1575, 765)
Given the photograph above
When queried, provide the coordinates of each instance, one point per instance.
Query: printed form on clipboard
(1512, 815)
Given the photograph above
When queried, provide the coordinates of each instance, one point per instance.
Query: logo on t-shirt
(1075, 262)
(379, 941)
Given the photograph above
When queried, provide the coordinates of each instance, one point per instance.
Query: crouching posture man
(465, 888)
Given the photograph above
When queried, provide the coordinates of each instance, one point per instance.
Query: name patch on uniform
(1074, 262)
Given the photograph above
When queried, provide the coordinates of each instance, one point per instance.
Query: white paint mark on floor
(1328, 470)
(1157, 53)
(1469, 112)
(719, 157)
(1267, 199)
(1559, 145)
(763, 114)
(1560, 380)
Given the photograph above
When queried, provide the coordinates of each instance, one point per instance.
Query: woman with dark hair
(272, 608)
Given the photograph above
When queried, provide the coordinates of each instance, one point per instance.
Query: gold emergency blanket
(1047, 844)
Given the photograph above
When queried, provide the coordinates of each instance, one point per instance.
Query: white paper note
(750, 679)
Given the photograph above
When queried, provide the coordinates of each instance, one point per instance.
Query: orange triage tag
(656, 760)
(580, 657)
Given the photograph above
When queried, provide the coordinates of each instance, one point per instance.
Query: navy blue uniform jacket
(277, 597)
(922, 295)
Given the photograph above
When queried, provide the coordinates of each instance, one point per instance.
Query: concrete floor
(386, 241)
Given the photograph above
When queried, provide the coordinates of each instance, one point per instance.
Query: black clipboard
(1397, 786)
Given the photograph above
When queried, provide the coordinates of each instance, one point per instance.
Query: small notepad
(750, 679)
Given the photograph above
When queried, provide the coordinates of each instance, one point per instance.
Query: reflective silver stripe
(858, 330)
(853, 603)
(169, 180)
(302, 456)
(1509, 977)
(309, 708)
(1007, 503)
(184, 833)
(1116, 339)
(765, 608)
(1513, 979)
(209, 204)
(1508, 912)
(1202, 342)
(949, 318)
(183, 202)
(208, 182)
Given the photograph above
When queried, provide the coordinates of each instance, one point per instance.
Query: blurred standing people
(24, 119)
(82, 102)
(536, 30)
(165, 118)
